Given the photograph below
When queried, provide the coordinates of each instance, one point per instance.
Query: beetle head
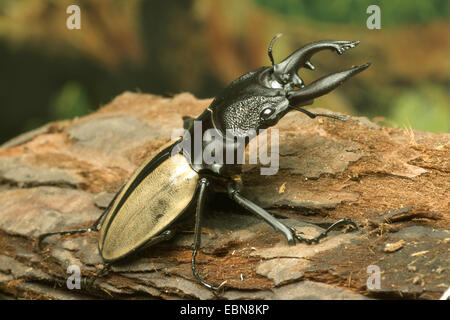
(258, 99)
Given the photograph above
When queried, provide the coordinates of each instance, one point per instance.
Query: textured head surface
(258, 99)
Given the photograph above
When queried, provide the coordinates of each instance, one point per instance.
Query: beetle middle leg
(290, 233)
(203, 184)
(164, 236)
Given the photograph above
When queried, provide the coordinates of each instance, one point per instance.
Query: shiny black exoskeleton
(259, 99)
(178, 177)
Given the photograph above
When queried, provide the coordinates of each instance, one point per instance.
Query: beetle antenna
(269, 51)
(313, 115)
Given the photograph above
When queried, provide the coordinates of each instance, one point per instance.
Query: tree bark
(393, 183)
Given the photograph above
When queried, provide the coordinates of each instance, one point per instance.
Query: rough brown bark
(394, 183)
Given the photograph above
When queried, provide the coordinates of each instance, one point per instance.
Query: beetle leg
(95, 227)
(252, 207)
(45, 235)
(203, 187)
(325, 233)
(99, 274)
(164, 236)
(290, 233)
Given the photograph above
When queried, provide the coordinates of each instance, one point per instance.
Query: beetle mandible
(165, 186)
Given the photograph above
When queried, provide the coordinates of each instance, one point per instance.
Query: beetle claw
(323, 85)
(342, 47)
(285, 73)
(286, 70)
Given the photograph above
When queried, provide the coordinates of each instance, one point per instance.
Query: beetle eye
(266, 113)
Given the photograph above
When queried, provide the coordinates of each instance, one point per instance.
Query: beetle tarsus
(102, 272)
(338, 223)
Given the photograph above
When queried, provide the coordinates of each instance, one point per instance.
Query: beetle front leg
(234, 194)
(290, 233)
(325, 233)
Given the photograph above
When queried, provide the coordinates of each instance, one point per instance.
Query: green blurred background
(48, 72)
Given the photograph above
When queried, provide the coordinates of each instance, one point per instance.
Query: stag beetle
(165, 186)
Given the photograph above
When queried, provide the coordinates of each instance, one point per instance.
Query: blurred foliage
(424, 107)
(394, 12)
(49, 72)
(70, 102)
(109, 28)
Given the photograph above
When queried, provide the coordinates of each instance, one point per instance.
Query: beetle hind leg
(95, 227)
(45, 235)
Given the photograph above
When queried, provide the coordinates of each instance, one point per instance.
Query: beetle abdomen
(155, 201)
